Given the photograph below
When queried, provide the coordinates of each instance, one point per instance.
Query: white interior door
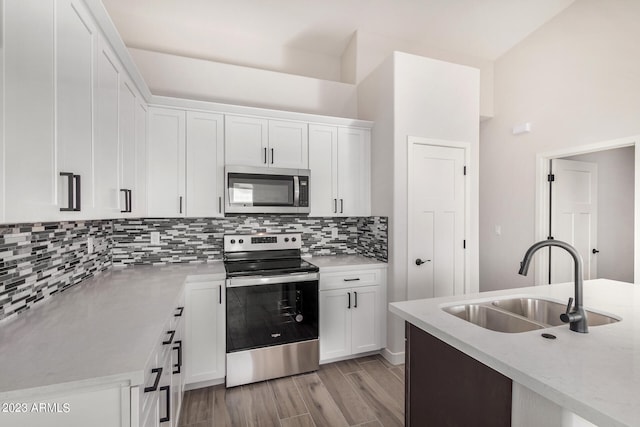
(436, 221)
(574, 214)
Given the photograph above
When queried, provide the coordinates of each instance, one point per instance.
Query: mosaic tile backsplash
(200, 239)
(40, 260)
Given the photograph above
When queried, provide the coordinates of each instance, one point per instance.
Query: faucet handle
(565, 316)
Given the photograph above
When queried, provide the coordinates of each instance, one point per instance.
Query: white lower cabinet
(352, 312)
(205, 346)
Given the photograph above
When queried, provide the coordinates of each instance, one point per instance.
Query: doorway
(588, 197)
(437, 218)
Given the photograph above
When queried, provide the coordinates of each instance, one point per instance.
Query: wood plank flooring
(364, 392)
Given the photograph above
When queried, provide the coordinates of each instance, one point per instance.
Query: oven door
(266, 190)
(270, 311)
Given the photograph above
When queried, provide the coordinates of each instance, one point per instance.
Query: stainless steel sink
(519, 314)
(547, 312)
(486, 316)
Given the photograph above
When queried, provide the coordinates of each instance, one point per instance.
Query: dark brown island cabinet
(445, 387)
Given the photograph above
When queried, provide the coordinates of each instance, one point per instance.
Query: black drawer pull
(154, 387)
(167, 389)
(179, 314)
(178, 365)
(351, 280)
(171, 335)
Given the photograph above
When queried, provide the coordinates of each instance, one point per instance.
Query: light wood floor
(366, 392)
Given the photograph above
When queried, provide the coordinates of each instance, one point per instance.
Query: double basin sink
(519, 314)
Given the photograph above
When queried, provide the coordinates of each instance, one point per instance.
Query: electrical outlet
(155, 237)
(90, 245)
(334, 233)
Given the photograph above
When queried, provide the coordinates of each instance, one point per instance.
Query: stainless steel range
(272, 308)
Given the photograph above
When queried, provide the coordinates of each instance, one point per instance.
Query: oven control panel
(261, 242)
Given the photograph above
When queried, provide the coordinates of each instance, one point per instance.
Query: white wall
(182, 77)
(577, 80)
(409, 95)
(616, 176)
(372, 49)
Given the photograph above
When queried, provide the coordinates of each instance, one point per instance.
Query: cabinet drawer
(350, 279)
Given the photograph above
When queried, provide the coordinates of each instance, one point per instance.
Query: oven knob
(286, 239)
(293, 239)
(233, 241)
(240, 241)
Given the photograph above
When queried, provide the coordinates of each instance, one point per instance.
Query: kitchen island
(594, 375)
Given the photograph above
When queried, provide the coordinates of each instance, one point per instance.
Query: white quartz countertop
(344, 262)
(595, 375)
(100, 331)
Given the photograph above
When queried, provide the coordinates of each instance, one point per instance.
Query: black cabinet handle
(166, 418)
(154, 387)
(179, 314)
(130, 204)
(355, 304)
(73, 192)
(180, 204)
(127, 200)
(178, 365)
(272, 156)
(170, 340)
(335, 205)
(341, 205)
(219, 204)
(595, 251)
(351, 280)
(349, 296)
(265, 155)
(220, 294)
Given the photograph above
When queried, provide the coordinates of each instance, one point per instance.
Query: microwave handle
(296, 190)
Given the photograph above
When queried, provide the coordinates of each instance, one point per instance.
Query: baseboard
(393, 358)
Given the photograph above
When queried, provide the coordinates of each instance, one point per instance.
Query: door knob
(595, 251)
(420, 261)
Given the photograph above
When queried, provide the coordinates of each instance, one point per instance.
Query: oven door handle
(235, 282)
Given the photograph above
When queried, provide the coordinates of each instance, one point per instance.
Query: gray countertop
(102, 330)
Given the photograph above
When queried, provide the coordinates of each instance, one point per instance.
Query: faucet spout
(577, 318)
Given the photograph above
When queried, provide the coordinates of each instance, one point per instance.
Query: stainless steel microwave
(266, 190)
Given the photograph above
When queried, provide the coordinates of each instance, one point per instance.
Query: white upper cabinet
(106, 146)
(288, 145)
(354, 165)
(139, 197)
(246, 141)
(205, 164)
(323, 152)
(340, 168)
(128, 148)
(251, 141)
(166, 166)
(29, 105)
(76, 48)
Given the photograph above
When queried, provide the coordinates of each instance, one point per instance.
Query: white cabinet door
(139, 197)
(205, 164)
(75, 52)
(353, 172)
(166, 164)
(246, 141)
(128, 149)
(335, 324)
(106, 197)
(205, 331)
(29, 145)
(323, 145)
(288, 145)
(365, 312)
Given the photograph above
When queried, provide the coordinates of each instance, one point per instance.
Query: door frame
(542, 197)
(411, 140)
